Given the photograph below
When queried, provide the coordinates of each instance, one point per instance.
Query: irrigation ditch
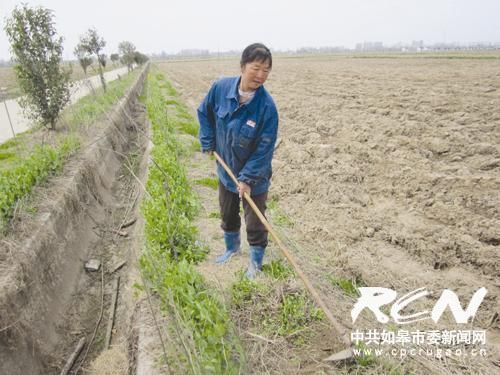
(49, 303)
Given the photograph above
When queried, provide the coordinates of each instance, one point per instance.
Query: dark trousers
(229, 203)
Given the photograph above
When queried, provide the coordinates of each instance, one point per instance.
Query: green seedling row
(18, 181)
(168, 262)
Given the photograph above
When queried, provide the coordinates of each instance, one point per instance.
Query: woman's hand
(244, 188)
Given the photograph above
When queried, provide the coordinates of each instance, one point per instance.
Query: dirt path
(208, 224)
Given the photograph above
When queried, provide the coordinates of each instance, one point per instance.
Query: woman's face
(254, 74)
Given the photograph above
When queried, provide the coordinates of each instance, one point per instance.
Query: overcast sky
(172, 25)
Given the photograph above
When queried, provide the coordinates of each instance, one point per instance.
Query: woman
(238, 119)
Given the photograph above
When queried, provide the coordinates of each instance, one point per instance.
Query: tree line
(37, 55)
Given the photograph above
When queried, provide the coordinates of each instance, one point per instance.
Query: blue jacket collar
(234, 94)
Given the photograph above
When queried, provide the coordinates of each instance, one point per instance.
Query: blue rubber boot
(233, 243)
(256, 257)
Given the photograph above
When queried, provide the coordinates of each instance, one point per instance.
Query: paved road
(21, 124)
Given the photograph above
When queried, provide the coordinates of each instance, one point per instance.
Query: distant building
(194, 52)
(369, 46)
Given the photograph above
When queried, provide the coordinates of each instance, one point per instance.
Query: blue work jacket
(243, 135)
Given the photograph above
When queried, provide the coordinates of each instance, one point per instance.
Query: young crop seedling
(348, 286)
(210, 182)
(278, 216)
(214, 215)
(278, 270)
(172, 249)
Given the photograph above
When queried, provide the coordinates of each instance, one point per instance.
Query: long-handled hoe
(342, 355)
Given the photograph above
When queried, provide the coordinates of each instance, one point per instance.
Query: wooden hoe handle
(336, 325)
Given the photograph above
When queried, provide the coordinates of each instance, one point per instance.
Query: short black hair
(256, 52)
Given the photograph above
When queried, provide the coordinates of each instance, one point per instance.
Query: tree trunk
(101, 74)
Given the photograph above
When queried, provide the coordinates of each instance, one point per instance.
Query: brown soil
(48, 301)
(389, 169)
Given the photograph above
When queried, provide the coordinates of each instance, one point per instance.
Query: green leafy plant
(296, 313)
(245, 290)
(348, 286)
(189, 127)
(170, 90)
(172, 102)
(367, 358)
(7, 155)
(195, 146)
(278, 217)
(210, 182)
(172, 249)
(10, 143)
(16, 182)
(278, 270)
(37, 54)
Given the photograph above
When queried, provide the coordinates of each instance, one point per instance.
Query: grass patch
(278, 216)
(171, 91)
(7, 155)
(184, 121)
(13, 142)
(210, 346)
(348, 286)
(245, 290)
(282, 310)
(195, 146)
(18, 181)
(211, 182)
(278, 270)
(172, 102)
(167, 86)
(367, 358)
(188, 127)
(296, 312)
(14, 150)
(183, 113)
(214, 215)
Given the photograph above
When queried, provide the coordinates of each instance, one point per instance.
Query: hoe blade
(340, 356)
